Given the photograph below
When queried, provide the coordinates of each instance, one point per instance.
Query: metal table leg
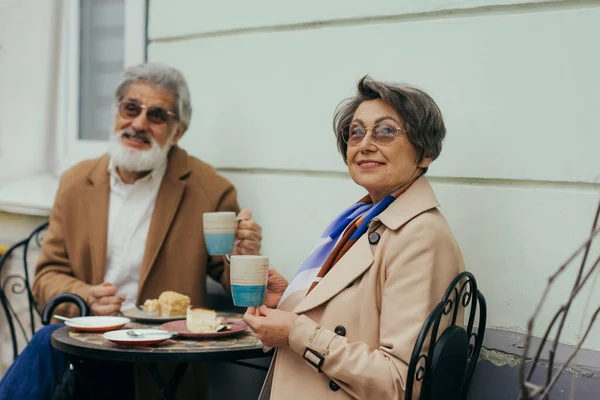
(168, 390)
(73, 366)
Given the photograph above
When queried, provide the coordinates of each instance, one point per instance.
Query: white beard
(130, 159)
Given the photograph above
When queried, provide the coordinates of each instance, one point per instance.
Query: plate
(121, 337)
(138, 315)
(180, 327)
(97, 324)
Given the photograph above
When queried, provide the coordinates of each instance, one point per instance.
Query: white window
(62, 65)
(103, 36)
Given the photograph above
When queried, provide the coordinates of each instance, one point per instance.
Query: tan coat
(175, 258)
(380, 294)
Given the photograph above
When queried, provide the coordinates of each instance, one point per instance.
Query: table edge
(149, 356)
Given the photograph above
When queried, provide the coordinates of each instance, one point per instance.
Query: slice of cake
(202, 320)
(173, 304)
(151, 306)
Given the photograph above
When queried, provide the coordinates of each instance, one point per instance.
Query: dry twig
(529, 390)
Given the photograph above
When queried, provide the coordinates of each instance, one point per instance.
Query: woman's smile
(369, 164)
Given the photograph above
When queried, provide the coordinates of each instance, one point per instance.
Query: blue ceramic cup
(219, 243)
(248, 277)
(219, 232)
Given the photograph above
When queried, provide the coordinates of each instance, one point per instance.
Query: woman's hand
(275, 288)
(271, 326)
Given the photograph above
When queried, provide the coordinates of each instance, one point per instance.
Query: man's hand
(248, 235)
(103, 299)
(275, 288)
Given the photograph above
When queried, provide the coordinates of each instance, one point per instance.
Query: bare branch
(537, 356)
(572, 391)
(562, 311)
(587, 249)
(561, 269)
(528, 389)
(576, 286)
(587, 331)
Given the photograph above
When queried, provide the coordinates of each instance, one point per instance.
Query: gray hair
(422, 117)
(162, 76)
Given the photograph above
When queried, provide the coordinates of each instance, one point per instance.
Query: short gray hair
(422, 117)
(162, 76)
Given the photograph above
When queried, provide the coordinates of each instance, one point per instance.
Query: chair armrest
(84, 309)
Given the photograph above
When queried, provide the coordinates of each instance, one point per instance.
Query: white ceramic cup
(248, 277)
(219, 232)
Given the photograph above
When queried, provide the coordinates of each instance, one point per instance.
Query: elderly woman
(346, 324)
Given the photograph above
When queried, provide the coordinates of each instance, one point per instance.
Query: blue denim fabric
(36, 371)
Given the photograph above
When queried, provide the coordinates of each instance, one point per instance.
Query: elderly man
(128, 225)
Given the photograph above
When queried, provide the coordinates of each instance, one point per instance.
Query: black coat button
(334, 386)
(340, 330)
(373, 237)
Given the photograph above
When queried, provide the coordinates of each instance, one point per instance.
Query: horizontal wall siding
(517, 82)
(201, 16)
(512, 238)
(519, 95)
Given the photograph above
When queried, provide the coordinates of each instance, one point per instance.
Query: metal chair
(20, 285)
(443, 366)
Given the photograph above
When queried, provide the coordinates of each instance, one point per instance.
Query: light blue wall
(517, 83)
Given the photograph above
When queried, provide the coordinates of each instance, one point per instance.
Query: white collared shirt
(130, 212)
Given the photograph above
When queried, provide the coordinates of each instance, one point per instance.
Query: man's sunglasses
(154, 114)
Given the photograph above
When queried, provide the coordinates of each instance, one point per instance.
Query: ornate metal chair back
(15, 285)
(446, 352)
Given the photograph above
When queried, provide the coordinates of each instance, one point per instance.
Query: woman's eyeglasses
(154, 114)
(382, 133)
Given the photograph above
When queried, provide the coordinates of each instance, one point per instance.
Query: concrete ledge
(506, 347)
(494, 382)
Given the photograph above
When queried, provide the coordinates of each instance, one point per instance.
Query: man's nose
(140, 123)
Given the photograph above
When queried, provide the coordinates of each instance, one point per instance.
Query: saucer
(233, 328)
(140, 316)
(97, 323)
(121, 337)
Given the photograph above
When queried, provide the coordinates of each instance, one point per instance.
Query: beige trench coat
(364, 316)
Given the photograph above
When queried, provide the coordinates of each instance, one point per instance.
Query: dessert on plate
(151, 306)
(168, 304)
(203, 320)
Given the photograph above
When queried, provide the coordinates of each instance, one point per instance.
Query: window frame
(33, 194)
(70, 148)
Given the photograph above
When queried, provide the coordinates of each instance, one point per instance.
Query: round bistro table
(243, 345)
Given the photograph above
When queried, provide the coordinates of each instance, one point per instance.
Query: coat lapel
(353, 264)
(167, 203)
(416, 200)
(97, 203)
